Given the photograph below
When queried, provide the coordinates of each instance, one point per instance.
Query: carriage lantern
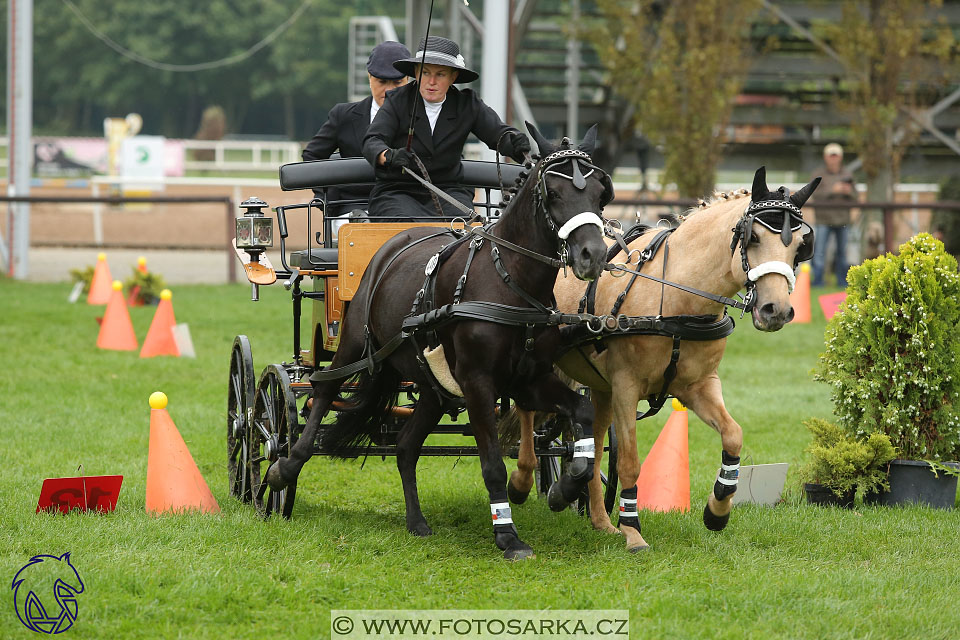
(254, 230)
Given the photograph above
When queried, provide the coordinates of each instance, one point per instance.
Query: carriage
(266, 413)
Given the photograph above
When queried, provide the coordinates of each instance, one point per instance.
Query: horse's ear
(759, 191)
(803, 194)
(542, 143)
(589, 142)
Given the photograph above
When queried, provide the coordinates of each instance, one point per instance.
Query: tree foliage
(842, 462)
(897, 54)
(681, 64)
(284, 88)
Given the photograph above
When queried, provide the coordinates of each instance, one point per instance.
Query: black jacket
(463, 113)
(344, 129)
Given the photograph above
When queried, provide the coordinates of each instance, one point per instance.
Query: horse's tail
(363, 414)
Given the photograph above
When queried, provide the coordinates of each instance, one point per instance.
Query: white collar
(374, 108)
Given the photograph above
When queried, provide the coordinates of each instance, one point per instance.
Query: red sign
(96, 493)
(831, 302)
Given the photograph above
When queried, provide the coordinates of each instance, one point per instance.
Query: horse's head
(571, 192)
(770, 240)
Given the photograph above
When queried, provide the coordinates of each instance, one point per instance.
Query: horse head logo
(45, 593)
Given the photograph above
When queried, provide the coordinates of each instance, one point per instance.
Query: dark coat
(825, 193)
(463, 113)
(344, 130)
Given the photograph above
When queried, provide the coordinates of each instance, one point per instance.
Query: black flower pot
(824, 496)
(913, 482)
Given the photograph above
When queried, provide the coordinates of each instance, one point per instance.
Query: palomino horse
(623, 369)
(490, 330)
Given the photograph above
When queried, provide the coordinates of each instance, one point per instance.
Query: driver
(445, 116)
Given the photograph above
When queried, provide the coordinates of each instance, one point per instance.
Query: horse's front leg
(480, 396)
(624, 401)
(603, 412)
(706, 400)
(521, 480)
(549, 393)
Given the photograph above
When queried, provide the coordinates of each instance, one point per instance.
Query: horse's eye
(553, 195)
(754, 238)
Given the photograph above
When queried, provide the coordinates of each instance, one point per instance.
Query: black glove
(514, 145)
(398, 159)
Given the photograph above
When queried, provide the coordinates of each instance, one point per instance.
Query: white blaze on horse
(665, 330)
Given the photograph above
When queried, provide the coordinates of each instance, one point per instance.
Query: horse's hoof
(555, 498)
(274, 478)
(421, 529)
(712, 522)
(521, 552)
(515, 495)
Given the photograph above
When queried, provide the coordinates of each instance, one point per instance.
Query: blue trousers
(823, 234)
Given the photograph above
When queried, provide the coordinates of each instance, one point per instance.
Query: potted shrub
(892, 360)
(144, 287)
(841, 465)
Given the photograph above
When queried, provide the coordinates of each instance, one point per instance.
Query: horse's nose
(774, 315)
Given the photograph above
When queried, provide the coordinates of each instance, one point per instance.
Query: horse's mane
(718, 198)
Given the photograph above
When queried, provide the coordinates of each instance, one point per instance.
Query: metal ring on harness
(623, 322)
(619, 270)
(610, 323)
(599, 326)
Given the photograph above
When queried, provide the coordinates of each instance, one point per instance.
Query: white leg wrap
(500, 512)
(583, 448)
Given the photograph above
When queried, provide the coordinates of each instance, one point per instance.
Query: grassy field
(793, 571)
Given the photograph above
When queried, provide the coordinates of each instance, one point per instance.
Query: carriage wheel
(273, 431)
(239, 407)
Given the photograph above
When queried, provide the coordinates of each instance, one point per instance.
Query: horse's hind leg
(603, 413)
(409, 444)
(549, 393)
(706, 400)
(285, 471)
(521, 480)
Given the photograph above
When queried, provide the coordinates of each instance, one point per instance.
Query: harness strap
(671, 372)
(505, 276)
(458, 291)
(736, 304)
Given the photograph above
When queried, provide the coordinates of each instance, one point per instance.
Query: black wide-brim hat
(438, 51)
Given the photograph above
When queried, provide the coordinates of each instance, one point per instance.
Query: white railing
(240, 155)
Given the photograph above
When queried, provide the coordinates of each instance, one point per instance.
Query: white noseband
(772, 267)
(577, 221)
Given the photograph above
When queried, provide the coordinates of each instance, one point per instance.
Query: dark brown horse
(491, 299)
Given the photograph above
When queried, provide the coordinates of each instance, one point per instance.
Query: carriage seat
(320, 259)
(321, 174)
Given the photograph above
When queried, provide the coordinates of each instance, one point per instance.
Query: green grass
(790, 572)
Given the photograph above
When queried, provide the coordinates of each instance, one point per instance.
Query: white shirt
(374, 107)
(433, 112)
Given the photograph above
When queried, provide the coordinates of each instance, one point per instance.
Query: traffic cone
(116, 330)
(142, 264)
(160, 340)
(174, 483)
(664, 481)
(133, 299)
(800, 298)
(100, 285)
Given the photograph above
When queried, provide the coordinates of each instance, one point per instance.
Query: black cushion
(319, 259)
(342, 171)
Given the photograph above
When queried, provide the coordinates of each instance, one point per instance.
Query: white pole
(493, 81)
(573, 75)
(19, 129)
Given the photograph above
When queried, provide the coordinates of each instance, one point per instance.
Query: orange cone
(800, 298)
(100, 285)
(116, 330)
(142, 264)
(664, 481)
(159, 340)
(174, 483)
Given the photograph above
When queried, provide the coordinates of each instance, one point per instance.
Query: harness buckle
(610, 323)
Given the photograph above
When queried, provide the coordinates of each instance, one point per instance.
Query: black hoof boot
(421, 529)
(712, 522)
(555, 498)
(515, 495)
(509, 541)
(275, 476)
